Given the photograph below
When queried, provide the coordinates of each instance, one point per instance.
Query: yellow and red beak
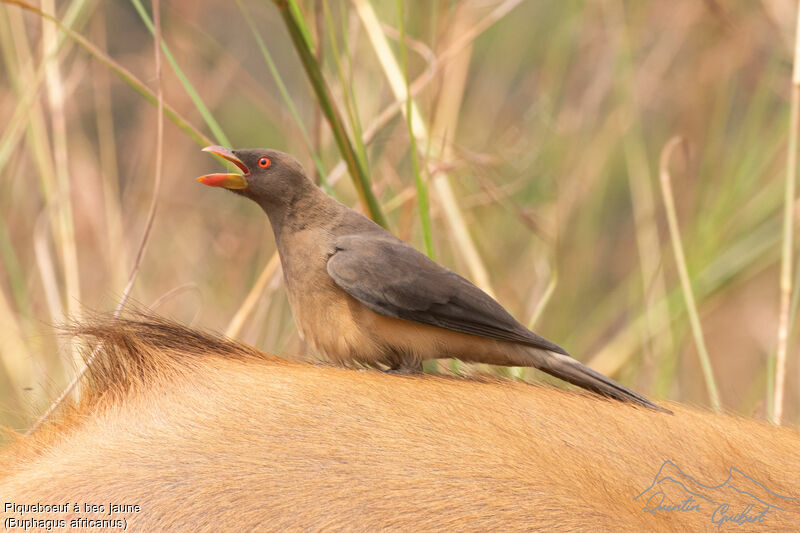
(228, 181)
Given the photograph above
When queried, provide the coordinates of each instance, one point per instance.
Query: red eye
(263, 162)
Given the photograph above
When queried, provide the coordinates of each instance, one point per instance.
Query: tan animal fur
(208, 435)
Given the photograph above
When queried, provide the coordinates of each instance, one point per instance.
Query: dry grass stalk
(686, 283)
(87, 362)
(237, 322)
(430, 142)
(787, 248)
(65, 238)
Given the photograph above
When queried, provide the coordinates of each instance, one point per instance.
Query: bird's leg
(405, 370)
(402, 364)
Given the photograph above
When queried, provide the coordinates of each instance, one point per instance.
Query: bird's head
(268, 177)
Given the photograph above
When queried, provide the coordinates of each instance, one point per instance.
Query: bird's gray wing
(394, 279)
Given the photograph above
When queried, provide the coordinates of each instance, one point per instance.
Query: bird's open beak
(228, 181)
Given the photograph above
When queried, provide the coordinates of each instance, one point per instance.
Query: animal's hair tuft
(139, 348)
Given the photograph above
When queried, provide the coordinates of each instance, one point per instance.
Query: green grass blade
(209, 119)
(422, 189)
(124, 74)
(350, 101)
(294, 7)
(285, 94)
(357, 171)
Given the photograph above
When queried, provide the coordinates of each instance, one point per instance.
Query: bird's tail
(565, 367)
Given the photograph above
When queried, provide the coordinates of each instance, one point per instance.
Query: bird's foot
(405, 369)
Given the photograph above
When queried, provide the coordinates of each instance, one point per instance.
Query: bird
(360, 295)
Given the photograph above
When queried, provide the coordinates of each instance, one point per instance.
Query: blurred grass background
(538, 124)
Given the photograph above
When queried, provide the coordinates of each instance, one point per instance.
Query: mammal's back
(207, 436)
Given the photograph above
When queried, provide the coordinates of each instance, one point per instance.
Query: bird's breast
(345, 331)
(322, 311)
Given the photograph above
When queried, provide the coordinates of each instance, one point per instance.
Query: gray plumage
(394, 279)
(360, 294)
